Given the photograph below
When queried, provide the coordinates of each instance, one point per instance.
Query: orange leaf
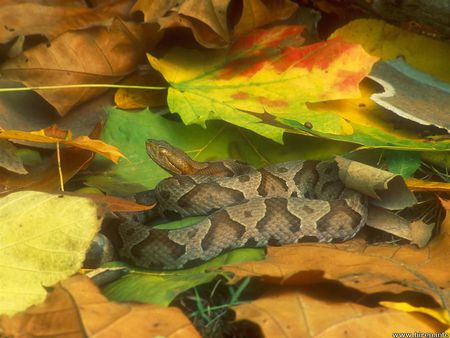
(420, 185)
(83, 142)
(76, 308)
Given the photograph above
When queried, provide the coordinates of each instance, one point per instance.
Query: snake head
(172, 159)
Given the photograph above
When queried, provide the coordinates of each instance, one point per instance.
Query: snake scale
(246, 207)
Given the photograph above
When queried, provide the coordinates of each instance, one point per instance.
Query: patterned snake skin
(280, 204)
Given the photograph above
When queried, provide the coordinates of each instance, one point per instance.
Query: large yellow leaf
(388, 42)
(43, 240)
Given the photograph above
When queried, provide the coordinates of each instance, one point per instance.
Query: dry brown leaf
(369, 268)
(76, 308)
(96, 55)
(54, 135)
(322, 312)
(257, 13)
(208, 18)
(51, 20)
(9, 158)
(45, 177)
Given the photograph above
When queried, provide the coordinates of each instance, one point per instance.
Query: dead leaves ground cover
(248, 80)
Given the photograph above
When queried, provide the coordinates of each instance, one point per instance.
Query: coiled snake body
(280, 204)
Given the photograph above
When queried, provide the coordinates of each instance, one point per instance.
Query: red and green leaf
(264, 77)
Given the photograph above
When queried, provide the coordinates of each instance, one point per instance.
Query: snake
(283, 203)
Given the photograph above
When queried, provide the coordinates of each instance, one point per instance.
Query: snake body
(246, 207)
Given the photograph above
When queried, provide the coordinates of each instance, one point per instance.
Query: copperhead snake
(246, 207)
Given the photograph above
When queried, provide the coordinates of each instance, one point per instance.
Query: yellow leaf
(388, 42)
(439, 313)
(43, 240)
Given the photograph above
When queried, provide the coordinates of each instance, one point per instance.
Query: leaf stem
(86, 85)
(58, 156)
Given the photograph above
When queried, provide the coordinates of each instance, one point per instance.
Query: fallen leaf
(28, 111)
(369, 268)
(372, 125)
(320, 312)
(9, 159)
(83, 142)
(257, 13)
(113, 53)
(411, 94)
(404, 163)
(45, 176)
(77, 308)
(219, 141)
(112, 203)
(440, 314)
(126, 98)
(161, 287)
(421, 185)
(386, 190)
(389, 42)
(253, 79)
(208, 19)
(44, 240)
(51, 20)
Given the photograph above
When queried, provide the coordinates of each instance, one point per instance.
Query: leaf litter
(262, 85)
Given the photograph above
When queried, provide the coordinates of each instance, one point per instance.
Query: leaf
(113, 53)
(257, 13)
(45, 176)
(320, 311)
(371, 124)
(27, 18)
(112, 203)
(253, 81)
(126, 98)
(44, 240)
(9, 159)
(161, 288)
(411, 94)
(404, 163)
(129, 131)
(77, 308)
(368, 268)
(421, 185)
(83, 142)
(388, 42)
(439, 314)
(208, 19)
